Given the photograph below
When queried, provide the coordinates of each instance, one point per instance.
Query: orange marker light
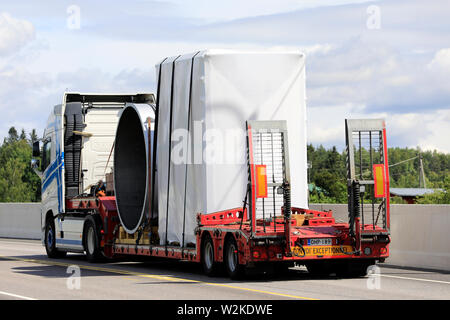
(261, 181)
(378, 176)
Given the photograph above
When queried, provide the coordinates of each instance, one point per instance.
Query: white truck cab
(75, 153)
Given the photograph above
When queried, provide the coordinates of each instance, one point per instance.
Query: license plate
(320, 242)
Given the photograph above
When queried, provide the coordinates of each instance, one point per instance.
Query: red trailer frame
(233, 223)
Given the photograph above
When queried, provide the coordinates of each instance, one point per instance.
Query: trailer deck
(314, 235)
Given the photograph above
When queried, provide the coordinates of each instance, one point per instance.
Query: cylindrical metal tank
(133, 165)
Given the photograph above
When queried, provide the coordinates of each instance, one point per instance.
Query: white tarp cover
(207, 169)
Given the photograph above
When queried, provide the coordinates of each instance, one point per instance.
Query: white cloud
(429, 131)
(14, 33)
(438, 131)
(399, 72)
(441, 61)
(236, 9)
(326, 123)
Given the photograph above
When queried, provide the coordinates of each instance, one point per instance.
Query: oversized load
(227, 126)
(204, 101)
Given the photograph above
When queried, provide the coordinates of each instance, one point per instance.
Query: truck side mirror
(35, 163)
(36, 149)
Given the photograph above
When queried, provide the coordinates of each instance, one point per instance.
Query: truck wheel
(209, 264)
(50, 241)
(231, 259)
(91, 241)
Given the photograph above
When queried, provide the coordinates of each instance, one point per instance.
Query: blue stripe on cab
(70, 242)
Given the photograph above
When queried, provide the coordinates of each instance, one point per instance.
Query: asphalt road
(27, 273)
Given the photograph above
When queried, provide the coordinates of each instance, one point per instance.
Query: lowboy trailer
(130, 217)
(240, 240)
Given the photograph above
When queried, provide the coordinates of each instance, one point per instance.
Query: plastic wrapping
(205, 98)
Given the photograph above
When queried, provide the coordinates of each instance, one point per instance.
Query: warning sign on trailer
(322, 250)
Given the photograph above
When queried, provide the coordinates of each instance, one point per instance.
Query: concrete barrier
(20, 220)
(420, 234)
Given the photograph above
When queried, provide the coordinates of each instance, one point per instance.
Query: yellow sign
(321, 251)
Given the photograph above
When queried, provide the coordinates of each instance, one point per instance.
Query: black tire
(91, 236)
(50, 241)
(209, 263)
(231, 259)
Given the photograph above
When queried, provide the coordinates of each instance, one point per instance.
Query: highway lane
(27, 273)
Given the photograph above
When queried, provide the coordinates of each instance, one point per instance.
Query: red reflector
(255, 254)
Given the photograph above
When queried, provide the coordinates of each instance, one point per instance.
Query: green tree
(18, 182)
(33, 136)
(441, 196)
(13, 136)
(23, 135)
(328, 172)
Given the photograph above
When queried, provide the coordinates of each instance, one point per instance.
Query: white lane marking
(416, 279)
(16, 296)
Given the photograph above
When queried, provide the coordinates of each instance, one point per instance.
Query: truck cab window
(46, 154)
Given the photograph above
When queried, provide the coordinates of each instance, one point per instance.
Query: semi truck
(212, 170)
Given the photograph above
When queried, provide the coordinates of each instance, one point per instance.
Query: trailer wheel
(210, 266)
(50, 241)
(231, 259)
(91, 240)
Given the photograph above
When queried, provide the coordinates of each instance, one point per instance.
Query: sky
(364, 59)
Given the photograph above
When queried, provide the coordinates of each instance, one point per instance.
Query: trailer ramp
(269, 176)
